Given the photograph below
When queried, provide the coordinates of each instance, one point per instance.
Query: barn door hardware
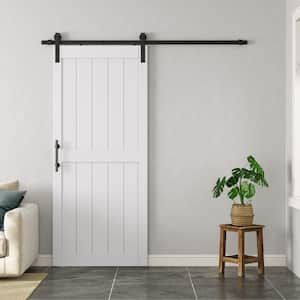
(142, 42)
(143, 38)
(57, 164)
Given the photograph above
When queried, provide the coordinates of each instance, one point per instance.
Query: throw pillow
(8, 201)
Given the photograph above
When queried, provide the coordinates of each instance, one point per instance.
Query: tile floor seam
(113, 283)
(192, 284)
(274, 288)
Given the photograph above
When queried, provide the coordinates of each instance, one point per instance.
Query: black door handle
(57, 164)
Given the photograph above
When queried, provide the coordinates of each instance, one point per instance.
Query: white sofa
(19, 242)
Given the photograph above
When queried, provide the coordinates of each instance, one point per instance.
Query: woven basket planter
(242, 215)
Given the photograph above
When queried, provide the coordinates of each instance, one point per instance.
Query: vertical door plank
(69, 211)
(100, 104)
(57, 176)
(131, 105)
(115, 209)
(84, 209)
(100, 211)
(69, 104)
(115, 104)
(131, 213)
(84, 104)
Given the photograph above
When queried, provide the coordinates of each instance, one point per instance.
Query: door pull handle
(57, 147)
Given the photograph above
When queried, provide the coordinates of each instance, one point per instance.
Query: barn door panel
(100, 189)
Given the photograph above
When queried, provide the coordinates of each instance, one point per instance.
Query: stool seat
(241, 258)
(230, 227)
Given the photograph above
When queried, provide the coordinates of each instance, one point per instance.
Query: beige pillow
(12, 185)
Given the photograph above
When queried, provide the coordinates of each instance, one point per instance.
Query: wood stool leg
(222, 250)
(241, 253)
(260, 251)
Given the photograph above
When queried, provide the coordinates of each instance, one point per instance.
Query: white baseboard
(203, 260)
(294, 202)
(43, 260)
(200, 260)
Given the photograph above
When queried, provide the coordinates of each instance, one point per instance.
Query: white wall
(294, 241)
(295, 117)
(209, 107)
(293, 214)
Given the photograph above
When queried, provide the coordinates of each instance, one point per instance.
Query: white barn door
(100, 189)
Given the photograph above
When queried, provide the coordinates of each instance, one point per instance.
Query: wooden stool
(241, 259)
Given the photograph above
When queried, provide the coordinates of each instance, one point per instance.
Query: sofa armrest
(21, 232)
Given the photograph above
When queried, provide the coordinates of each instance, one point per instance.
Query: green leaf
(236, 172)
(255, 166)
(255, 178)
(231, 181)
(244, 190)
(219, 187)
(259, 175)
(251, 191)
(259, 179)
(233, 193)
(247, 173)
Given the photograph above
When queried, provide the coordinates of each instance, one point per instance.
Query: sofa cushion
(8, 201)
(2, 244)
(11, 185)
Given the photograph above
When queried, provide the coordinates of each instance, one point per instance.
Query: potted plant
(241, 185)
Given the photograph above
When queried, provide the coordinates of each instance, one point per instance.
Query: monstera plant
(241, 185)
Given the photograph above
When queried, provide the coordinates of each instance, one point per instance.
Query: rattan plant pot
(242, 215)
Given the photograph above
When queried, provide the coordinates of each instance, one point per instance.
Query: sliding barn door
(100, 188)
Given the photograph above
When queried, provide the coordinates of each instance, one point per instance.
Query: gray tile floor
(89, 283)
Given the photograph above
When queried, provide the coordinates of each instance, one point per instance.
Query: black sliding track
(57, 41)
